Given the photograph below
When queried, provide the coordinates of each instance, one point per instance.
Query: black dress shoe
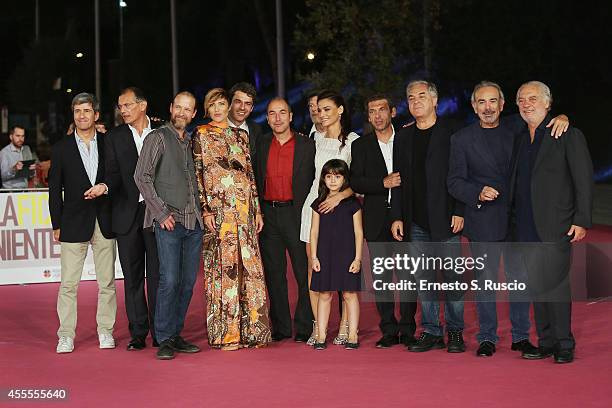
(486, 349)
(564, 356)
(165, 352)
(320, 346)
(407, 340)
(387, 341)
(137, 343)
(301, 337)
(179, 344)
(279, 337)
(537, 353)
(427, 342)
(455, 342)
(524, 346)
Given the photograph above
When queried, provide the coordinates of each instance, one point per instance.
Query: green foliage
(361, 46)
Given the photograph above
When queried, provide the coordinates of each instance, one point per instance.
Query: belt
(279, 203)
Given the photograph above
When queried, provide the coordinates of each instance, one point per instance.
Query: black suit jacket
(472, 166)
(441, 206)
(561, 183)
(368, 169)
(121, 157)
(72, 214)
(303, 169)
(255, 133)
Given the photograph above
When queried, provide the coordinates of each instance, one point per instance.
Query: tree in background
(360, 47)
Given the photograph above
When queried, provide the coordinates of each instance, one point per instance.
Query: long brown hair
(345, 118)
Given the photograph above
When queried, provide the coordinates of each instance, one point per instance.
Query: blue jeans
(179, 254)
(486, 306)
(430, 308)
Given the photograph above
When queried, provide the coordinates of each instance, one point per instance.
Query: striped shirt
(144, 176)
(89, 156)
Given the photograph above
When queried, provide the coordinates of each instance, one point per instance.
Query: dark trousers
(486, 300)
(385, 300)
(180, 251)
(548, 267)
(281, 233)
(137, 253)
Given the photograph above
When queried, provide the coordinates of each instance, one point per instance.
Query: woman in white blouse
(335, 143)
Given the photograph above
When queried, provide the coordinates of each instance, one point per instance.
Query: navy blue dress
(336, 249)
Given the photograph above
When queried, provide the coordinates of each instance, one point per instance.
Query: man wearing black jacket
(77, 164)
(137, 246)
(242, 98)
(424, 211)
(553, 200)
(284, 174)
(372, 175)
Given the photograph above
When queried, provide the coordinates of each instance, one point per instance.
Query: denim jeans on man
(430, 306)
(486, 306)
(179, 253)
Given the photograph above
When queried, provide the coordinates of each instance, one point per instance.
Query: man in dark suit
(479, 176)
(242, 97)
(314, 126)
(424, 211)
(284, 174)
(137, 246)
(372, 175)
(77, 164)
(553, 200)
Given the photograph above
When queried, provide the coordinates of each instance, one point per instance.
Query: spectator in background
(12, 159)
(43, 165)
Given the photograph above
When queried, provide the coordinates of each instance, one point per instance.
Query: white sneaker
(65, 345)
(106, 341)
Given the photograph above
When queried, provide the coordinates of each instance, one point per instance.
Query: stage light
(122, 4)
(310, 56)
(79, 55)
(69, 90)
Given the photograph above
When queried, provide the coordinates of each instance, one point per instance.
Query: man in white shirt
(372, 175)
(137, 246)
(243, 96)
(12, 157)
(313, 111)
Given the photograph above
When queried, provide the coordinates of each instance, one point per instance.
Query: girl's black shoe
(320, 346)
(351, 346)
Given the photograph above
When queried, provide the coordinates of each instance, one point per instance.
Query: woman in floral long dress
(237, 312)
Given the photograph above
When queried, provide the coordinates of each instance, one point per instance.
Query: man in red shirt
(284, 171)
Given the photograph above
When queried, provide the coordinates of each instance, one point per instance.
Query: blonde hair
(214, 95)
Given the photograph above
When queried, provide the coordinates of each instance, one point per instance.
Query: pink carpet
(290, 374)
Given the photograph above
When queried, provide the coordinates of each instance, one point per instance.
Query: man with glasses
(137, 247)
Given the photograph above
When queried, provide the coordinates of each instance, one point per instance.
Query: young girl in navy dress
(336, 241)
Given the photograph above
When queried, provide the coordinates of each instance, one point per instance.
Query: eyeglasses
(126, 105)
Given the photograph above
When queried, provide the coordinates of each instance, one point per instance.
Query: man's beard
(179, 123)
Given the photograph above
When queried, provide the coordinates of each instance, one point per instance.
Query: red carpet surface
(290, 374)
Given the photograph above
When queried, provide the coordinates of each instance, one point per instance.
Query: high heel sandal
(320, 345)
(352, 345)
(313, 336)
(342, 338)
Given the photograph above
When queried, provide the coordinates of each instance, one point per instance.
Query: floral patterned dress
(237, 311)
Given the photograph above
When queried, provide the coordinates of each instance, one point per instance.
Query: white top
(89, 156)
(244, 125)
(139, 141)
(387, 152)
(327, 149)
